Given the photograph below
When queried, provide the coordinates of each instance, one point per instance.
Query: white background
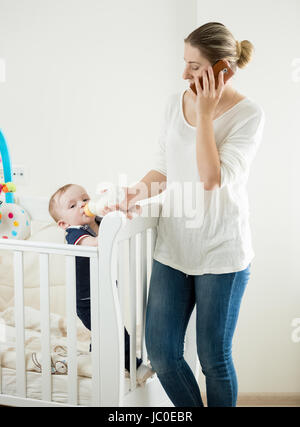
(86, 85)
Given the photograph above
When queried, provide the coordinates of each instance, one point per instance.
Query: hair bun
(238, 49)
(244, 53)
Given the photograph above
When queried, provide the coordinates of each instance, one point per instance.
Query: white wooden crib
(125, 254)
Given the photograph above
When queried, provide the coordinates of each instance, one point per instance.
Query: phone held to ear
(217, 67)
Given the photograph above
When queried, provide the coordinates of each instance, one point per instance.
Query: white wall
(267, 359)
(86, 84)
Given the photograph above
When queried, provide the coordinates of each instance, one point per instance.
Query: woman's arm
(152, 184)
(208, 160)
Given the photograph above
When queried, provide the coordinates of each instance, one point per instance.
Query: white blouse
(202, 231)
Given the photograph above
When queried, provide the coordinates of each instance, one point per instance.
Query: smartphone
(217, 67)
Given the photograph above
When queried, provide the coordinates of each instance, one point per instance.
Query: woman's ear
(62, 224)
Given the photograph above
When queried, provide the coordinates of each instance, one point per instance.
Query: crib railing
(135, 257)
(19, 247)
(124, 254)
(123, 248)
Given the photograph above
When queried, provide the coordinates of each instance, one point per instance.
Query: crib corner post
(111, 331)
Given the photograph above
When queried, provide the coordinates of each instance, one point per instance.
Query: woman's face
(195, 63)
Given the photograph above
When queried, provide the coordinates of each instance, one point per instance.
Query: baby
(66, 208)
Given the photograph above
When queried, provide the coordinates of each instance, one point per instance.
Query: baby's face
(70, 207)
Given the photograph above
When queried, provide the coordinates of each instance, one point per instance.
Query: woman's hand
(208, 98)
(125, 206)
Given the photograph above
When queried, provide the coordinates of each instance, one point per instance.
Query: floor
(273, 400)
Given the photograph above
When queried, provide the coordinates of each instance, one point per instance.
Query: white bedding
(33, 358)
(58, 345)
(59, 386)
(58, 350)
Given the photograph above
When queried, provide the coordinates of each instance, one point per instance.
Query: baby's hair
(53, 201)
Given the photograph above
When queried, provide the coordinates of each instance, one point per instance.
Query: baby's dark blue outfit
(83, 299)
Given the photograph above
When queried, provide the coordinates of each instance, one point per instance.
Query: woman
(210, 137)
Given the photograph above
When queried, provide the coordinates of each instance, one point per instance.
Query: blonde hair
(53, 205)
(216, 42)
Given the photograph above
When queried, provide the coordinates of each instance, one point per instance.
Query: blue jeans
(172, 297)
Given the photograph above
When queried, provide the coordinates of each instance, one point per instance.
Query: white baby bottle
(108, 196)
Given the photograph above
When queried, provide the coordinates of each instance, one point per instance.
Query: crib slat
(138, 295)
(123, 281)
(153, 234)
(71, 329)
(151, 247)
(19, 321)
(122, 274)
(95, 327)
(45, 326)
(143, 272)
(132, 299)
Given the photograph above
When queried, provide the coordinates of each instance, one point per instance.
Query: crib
(124, 253)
